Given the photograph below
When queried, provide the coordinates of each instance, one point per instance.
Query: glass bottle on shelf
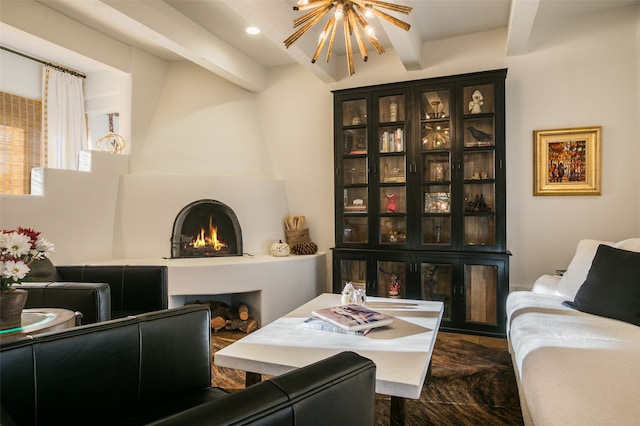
(391, 279)
(392, 108)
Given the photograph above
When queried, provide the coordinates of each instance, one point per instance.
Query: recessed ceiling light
(252, 30)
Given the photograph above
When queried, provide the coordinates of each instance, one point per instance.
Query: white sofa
(572, 367)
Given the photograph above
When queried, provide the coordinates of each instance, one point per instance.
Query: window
(21, 146)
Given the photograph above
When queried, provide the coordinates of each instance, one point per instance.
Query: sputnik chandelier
(352, 13)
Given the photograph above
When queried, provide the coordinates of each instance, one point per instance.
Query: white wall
(202, 125)
(20, 76)
(76, 212)
(583, 73)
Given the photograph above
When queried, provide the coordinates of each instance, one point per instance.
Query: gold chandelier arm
(302, 30)
(314, 13)
(372, 39)
(353, 19)
(395, 21)
(312, 4)
(390, 6)
(331, 41)
(347, 43)
(325, 35)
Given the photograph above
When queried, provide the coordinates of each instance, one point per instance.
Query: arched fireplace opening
(206, 228)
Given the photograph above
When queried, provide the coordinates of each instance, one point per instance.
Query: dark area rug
(472, 383)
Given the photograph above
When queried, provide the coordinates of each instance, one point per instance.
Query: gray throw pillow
(42, 270)
(612, 287)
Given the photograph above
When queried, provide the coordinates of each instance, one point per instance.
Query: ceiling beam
(186, 38)
(521, 19)
(407, 44)
(41, 31)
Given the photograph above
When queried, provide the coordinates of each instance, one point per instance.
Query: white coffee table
(401, 351)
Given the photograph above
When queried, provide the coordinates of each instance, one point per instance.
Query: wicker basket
(297, 236)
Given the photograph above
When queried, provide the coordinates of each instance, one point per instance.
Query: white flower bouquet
(18, 248)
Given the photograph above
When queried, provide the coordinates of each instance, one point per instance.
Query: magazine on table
(320, 324)
(353, 317)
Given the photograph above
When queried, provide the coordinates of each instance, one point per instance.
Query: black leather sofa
(130, 289)
(155, 368)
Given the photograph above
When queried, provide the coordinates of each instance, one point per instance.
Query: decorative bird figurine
(479, 135)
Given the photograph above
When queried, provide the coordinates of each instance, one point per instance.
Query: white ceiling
(211, 32)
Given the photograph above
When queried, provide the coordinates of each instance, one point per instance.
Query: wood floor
(472, 383)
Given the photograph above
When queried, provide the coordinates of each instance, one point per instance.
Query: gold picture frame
(567, 161)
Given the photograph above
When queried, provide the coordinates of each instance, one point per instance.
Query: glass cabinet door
(392, 169)
(353, 271)
(479, 159)
(392, 278)
(354, 182)
(481, 294)
(435, 151)
(437, 284)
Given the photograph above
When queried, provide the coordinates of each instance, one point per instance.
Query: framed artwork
(567, 161)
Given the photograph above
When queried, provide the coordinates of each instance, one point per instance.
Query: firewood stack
(224, 317)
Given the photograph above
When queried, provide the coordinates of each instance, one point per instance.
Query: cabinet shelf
(420, 195)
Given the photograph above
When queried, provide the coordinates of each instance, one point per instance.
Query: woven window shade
(21, 145)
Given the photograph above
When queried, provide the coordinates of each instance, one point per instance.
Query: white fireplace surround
(270, 286)
(102, 215)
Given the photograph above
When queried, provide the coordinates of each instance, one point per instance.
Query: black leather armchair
(99, 292)
(155, 368)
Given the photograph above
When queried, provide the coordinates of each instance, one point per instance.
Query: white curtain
(65, 128)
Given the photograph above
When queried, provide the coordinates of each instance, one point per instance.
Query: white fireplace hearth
(269, 286)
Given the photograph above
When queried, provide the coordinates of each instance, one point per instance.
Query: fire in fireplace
(206, 228)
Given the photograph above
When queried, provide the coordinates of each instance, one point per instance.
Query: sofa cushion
(572, 368)
(612, 287)
(579, 266)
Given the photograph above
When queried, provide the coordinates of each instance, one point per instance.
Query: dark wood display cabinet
(420, 195)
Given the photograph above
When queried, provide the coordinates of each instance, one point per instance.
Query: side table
(41, 320)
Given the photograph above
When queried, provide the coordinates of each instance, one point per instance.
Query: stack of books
(347, 319)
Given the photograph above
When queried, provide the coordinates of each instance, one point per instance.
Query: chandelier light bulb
(369, 29)
(368, 12)
(303, 2)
